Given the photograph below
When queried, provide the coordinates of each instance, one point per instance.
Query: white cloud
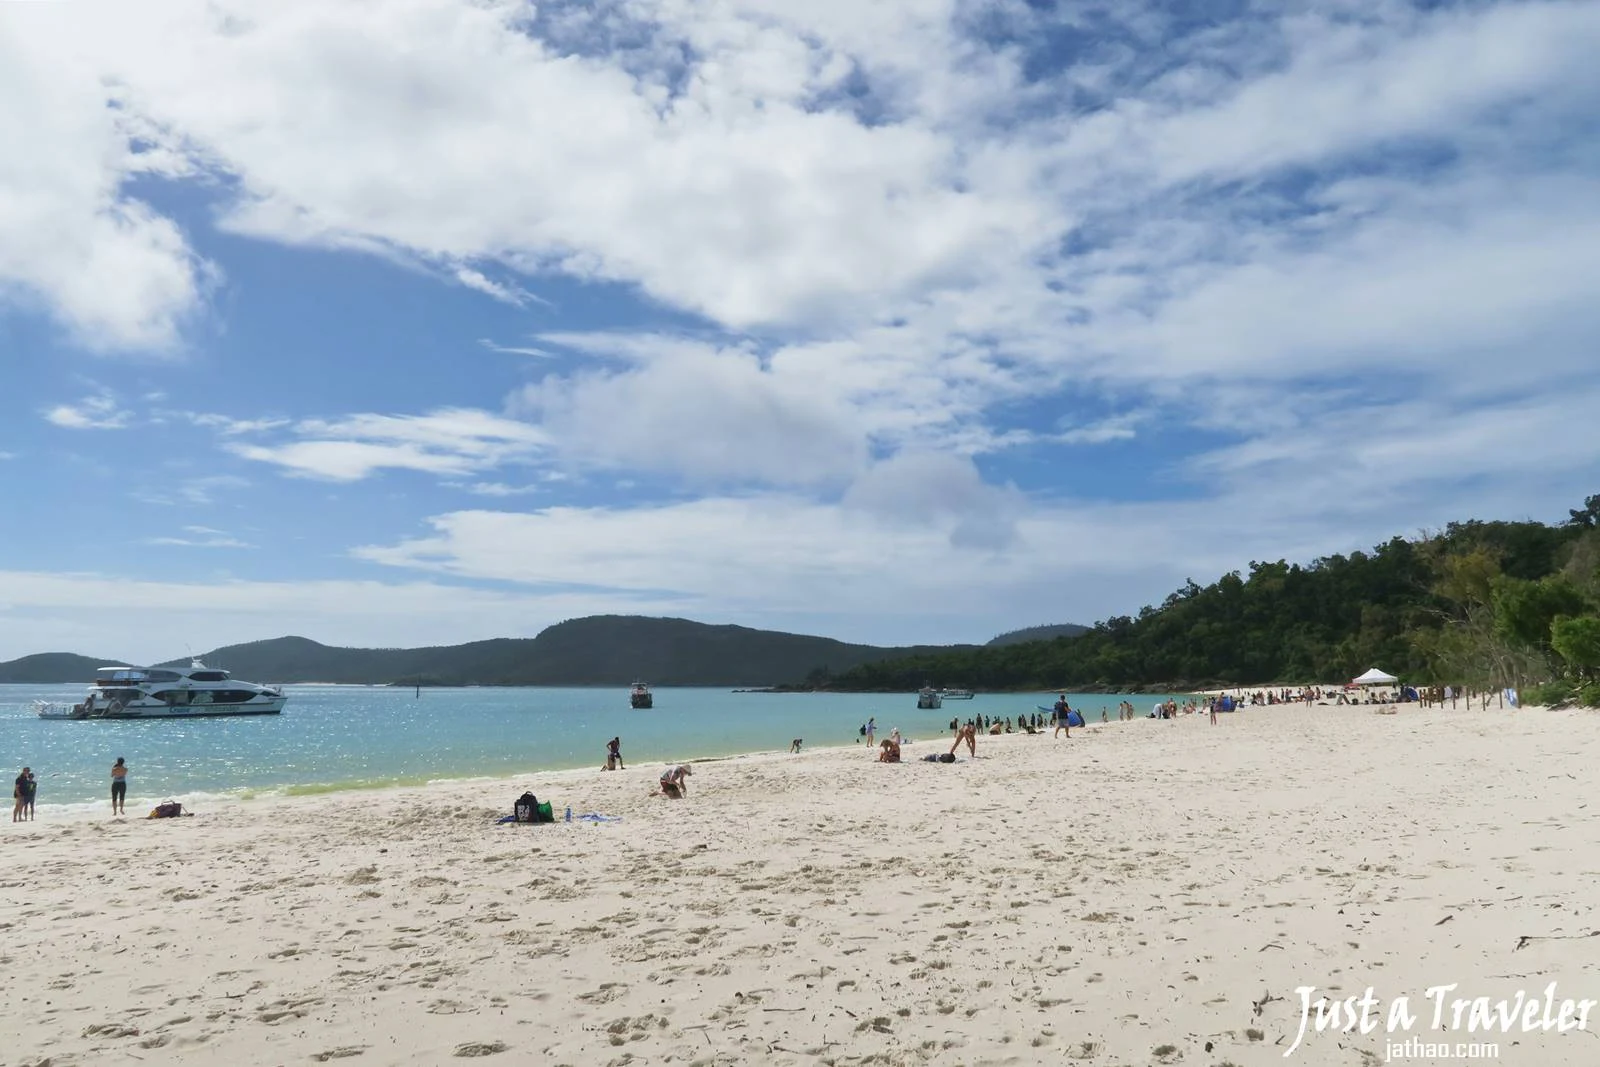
(514, 350)
(1099, 432)
(220, 541)
(500, 489)
(72, 243)
(452, 441)
(701, 412)
(99, 412)
(506, 294)
(233, 427)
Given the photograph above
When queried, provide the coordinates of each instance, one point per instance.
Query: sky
(411, 322)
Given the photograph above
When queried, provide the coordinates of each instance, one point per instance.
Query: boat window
(209, 676)
(231, 696)
(176, 697)
(162, 676)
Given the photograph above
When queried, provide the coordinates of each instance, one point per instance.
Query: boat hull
(218, 711)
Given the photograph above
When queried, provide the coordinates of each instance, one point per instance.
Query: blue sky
(422, 321)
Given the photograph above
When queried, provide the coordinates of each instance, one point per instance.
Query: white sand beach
(1148, 892)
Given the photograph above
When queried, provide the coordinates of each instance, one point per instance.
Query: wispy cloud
(499, 489)
(208, 542)
(233, 427)
(1115, 428)
(514, 350)
(501, 291)
(98, 412)
(452, 441)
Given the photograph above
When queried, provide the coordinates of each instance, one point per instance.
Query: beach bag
(545, 813)
(526, 808)
(947, 757)
(169, 810)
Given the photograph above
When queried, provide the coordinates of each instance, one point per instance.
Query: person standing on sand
(614, 754)
(969, 734)
(872, 730)
(119, 787)
(19, 794)
(30, 793)
(1063, 720)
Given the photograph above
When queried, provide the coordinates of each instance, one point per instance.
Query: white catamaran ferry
(167, 693)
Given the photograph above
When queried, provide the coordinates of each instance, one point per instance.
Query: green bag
(546, 812)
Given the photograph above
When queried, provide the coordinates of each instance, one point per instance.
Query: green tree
(1523, 611)
(1577, 641)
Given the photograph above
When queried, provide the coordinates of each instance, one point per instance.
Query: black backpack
(526, 808)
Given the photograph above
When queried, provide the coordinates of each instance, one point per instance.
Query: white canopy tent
(1374, 677)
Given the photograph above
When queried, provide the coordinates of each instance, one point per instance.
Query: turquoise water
(350, 737)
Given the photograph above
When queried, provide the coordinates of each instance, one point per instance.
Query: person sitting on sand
(969, 734)
(672, 781)
(888, 750)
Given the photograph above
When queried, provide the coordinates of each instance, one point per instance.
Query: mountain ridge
(591, 650)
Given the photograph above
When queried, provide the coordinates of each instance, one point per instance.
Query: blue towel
(592, 817)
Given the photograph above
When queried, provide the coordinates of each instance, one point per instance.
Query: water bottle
(569, 814)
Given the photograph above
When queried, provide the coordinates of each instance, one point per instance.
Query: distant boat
(956, 694)
(161, 693)
(639, 696)
(928, 697)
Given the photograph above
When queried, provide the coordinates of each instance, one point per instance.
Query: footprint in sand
(607, 992)
(480, 1048)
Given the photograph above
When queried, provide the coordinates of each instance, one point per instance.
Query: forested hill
(598, 650)
(1486, 603)
(45, 668)
(1037, 633)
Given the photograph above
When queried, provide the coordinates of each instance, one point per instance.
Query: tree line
(1482, 604)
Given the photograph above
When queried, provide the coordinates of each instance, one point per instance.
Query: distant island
(596, 650)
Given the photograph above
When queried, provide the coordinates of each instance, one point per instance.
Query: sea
(342, 737)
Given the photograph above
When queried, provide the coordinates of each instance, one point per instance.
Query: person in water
(672, 781)
(119, 787)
